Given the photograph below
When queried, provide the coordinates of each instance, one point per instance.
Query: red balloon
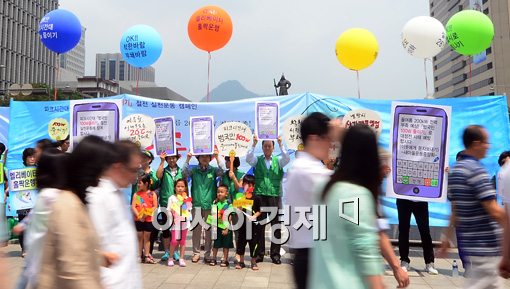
(210, 28)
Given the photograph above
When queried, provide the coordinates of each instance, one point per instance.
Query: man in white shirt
(113, 221)
(268, 171)
(304, 177)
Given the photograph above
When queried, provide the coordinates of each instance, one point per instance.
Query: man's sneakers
(404, 265)
(429, 268)
(165, 257)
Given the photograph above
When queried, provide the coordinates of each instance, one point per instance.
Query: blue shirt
(469, 185)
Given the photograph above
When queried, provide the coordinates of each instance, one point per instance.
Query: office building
(72, 63)
(111, 66)
(485, 74)
(23, 57)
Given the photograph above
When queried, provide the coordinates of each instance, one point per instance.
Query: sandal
(254, 267)
(149, 260)
(213, 262)
(240, 265)
(224, 264)
(195, 258)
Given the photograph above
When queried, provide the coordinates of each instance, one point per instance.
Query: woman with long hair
(350, 257)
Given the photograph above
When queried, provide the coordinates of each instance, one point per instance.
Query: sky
(295, 37)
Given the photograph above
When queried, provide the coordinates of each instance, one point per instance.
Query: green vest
(168, 185)
(268, 182)
(225, 179)
(203, 187)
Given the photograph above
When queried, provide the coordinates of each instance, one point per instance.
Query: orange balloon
(210, 28)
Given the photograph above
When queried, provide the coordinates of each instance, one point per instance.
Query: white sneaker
(429, 268)
(404, 265)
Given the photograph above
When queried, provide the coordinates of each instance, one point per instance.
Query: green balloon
(469, 32)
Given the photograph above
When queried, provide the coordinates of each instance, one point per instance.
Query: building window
(459, 92)
(122, 65)
(453, 5)
(63, 61)
(111, 72)
(103, 69)
(458, 66)
(482, 83)
(458, 79)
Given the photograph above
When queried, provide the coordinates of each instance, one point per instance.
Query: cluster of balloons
(209, 29)
(468, 32)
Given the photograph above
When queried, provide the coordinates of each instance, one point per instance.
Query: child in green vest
(167, 176)
(224, 239)
(203, 191)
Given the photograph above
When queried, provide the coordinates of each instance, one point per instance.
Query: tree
(42, 93)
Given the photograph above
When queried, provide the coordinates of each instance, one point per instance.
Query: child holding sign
(143, 204)
(224, 239)
(248, 203)
(179, 205)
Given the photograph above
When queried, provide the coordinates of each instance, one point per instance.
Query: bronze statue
(283, 84)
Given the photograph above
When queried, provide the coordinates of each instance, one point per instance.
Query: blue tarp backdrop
(30, 123)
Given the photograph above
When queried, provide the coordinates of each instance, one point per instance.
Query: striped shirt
(469, 185)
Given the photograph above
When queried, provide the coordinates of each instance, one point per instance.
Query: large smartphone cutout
(202, 135)
(165, 136)
(419, 151)
(267, 120)
(96, 118)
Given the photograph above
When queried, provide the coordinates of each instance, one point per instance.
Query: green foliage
(47, 95)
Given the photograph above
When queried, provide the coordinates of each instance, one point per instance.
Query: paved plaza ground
(202, 276)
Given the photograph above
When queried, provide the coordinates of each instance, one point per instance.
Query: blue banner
(30, 123)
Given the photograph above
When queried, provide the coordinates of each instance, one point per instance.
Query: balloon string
(357, 77)
(55, 91)
(426, 78)
(470, 75)
(208, 75)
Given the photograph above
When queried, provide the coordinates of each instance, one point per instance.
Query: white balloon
(423, 37)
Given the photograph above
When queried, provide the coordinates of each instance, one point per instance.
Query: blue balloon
(141, 46)
(60, 30)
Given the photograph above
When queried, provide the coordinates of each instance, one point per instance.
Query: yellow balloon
(356, 48)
